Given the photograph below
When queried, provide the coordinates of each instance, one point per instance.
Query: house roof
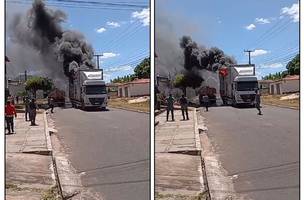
(293, 77)
(136, 81)
(265, 81)
(143, 80)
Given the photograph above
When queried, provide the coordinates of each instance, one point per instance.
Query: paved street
(259, 153)
(110, 149)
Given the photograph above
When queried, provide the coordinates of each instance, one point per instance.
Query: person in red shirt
(10, 112)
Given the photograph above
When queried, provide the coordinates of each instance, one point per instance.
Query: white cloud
(118, 69)
(109, 55)
(272, 65)
(113, 24)
(101, 30)
(292, 12)
(250, 27)
(262, 21)
(143, 16)
(259, 52)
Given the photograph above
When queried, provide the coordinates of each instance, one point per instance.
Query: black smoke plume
(202, 58)
(60, 50)
(197, 58)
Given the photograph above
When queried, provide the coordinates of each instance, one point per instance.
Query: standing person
(32, 112)
(206, 101)
(258, 101)
(10, 112)
(17, 99)
(184, 106)
(170, 107)
(26, 102)
(51, 104)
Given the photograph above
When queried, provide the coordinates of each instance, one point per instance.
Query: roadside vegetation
(275, 100)
(125, 103)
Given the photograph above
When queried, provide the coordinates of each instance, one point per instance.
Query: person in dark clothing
(26, 102)
(184, 106)
(205, 100)
(258, 101)
(51, 104)
(17, 99)
(32, 112)
(10, 113)
(170, 107)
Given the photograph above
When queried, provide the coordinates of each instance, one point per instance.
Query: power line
(118, 35)
(69, 5)
(273, 29)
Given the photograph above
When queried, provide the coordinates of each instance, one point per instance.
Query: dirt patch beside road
(123, 103)
(275, 101)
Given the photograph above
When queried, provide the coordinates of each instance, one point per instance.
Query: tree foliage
(293, 68)
(123, 79)
(38, 83)
(142, 70)
(187, 80)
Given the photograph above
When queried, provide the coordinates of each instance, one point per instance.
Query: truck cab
(94, 94)
(243, 90)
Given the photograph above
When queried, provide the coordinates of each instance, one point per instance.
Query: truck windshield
(247, 86)
(96, 89)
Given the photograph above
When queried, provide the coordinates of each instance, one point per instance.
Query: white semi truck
(238, 84)
(87, 89)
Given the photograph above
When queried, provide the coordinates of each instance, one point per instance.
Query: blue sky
(121, 35)
(270, 27)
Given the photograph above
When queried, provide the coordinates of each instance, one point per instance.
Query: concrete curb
(214, 174)
(196, 132)
(50, 149)
(129, 109)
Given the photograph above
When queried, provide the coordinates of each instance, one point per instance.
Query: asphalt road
(260, 152)
(110, 148)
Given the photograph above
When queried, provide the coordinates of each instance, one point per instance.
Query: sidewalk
(178, 171)
(29, 168)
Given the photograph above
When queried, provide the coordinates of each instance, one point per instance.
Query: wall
(142, 89)
(121, 90)
(290, 86)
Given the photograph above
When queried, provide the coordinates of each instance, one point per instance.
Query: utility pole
(249, 51)
(98, 55)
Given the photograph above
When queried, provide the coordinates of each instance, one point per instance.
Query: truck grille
(248, 97)
(96, 101)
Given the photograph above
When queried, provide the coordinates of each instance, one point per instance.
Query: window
(247, 86)
(95, 89)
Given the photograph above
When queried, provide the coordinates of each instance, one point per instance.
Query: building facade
(136, 88)
(289, 84)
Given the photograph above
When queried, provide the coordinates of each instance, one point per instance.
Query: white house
(289, 84)
(136, 88)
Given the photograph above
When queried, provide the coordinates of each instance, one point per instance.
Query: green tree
(293, 67)
(185, 80)
(142, 70)
(38, 83)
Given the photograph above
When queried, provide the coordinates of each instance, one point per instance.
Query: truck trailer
(87, 89)
(238, 84)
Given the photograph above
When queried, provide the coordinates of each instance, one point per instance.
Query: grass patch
(51, 194)
(123, 103)
(200, 196)
(275, 100)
